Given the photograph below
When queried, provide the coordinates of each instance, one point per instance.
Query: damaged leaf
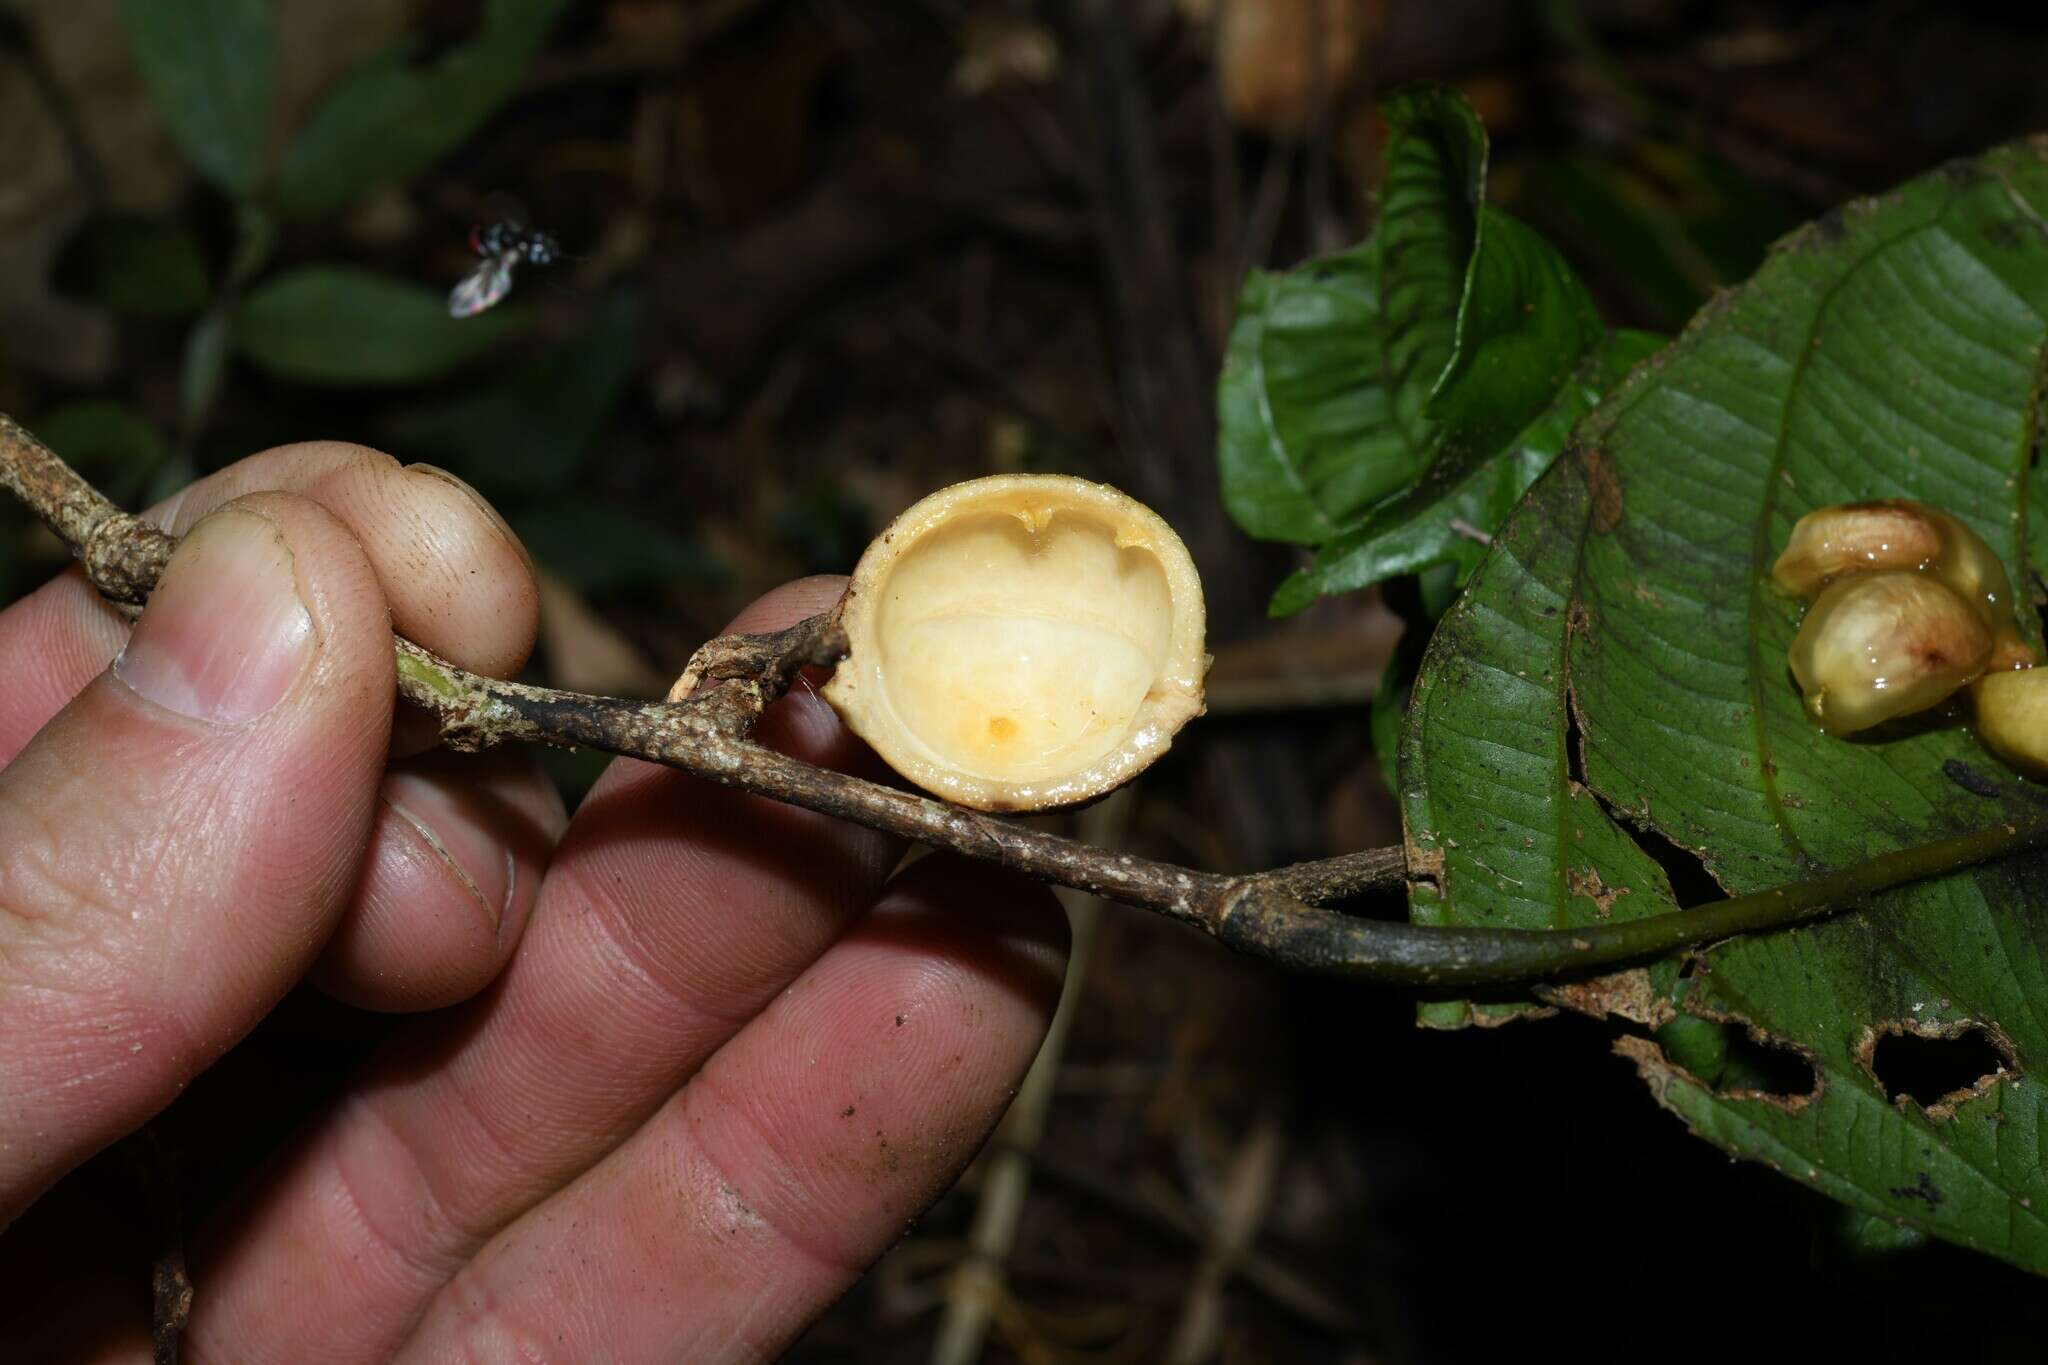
(1895, 349)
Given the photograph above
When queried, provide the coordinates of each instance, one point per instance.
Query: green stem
(1462, 957)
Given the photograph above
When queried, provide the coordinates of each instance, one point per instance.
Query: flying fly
(499, 247)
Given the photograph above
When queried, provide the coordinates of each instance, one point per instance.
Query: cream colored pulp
(1044, 678)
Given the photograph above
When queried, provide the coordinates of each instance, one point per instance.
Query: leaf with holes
(1605, 718)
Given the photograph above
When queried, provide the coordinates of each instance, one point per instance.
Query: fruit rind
(1022, 642)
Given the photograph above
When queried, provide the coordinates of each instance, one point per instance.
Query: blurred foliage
(141, 267)
(390, 117)
(1668, 225)
(347, 327)
(826, 527)
(210, 65)
(527, 434)
(109, 442)
(521, 435)
(522, 441)
(594, 546)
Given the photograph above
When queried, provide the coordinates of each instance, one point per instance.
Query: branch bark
(704, 729)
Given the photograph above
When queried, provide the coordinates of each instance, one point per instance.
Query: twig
(733, 679)
(1464, 528)
(155, 1171)
(1247, 1194)
(1165, 1213)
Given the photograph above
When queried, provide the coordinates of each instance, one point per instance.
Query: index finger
(456, 578)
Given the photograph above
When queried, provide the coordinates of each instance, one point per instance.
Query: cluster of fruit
(1910, 606)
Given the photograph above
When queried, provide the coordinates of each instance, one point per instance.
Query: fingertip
(788, 604)
(457, 579)
(474, 502)
(476, 598)
(178, 841)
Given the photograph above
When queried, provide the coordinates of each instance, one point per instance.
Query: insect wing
(483, 286)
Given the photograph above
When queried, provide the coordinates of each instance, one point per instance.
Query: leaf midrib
(1761, 537)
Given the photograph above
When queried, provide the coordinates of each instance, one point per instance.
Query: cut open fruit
(1022, 642)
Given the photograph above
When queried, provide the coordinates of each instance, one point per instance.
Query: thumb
(176, 844)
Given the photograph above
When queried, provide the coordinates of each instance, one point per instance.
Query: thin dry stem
(704, 730)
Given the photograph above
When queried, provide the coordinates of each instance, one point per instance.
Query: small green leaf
(1320, 404)
(147, 267)
(593, 546)
(1447, 515)
(339, 325)
(389, 118)
(209, 65)
(529, 433)
(1374, 404)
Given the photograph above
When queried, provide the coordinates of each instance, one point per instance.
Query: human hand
(722, 1058)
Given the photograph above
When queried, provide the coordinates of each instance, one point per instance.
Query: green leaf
(529, 433)
(340, 325)
(596, 547)
(1445, 517)
(389, 118)
(1895, 349)
(1320, 404)
(147, 267)
(1523, 322)
(1349, 420)
(208, 64)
